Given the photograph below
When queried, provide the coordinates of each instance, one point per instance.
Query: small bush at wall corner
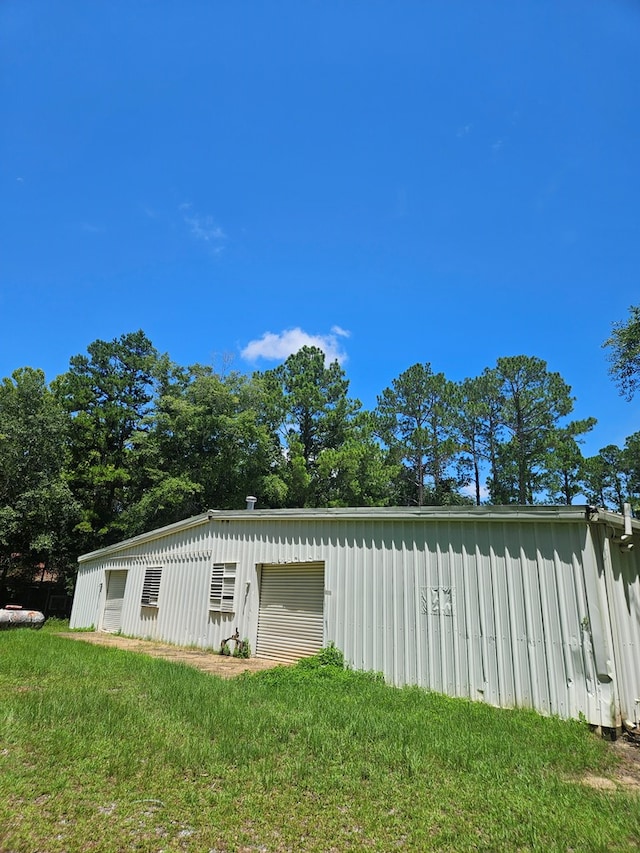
(328, 656)
(329, 662)
(331, 656)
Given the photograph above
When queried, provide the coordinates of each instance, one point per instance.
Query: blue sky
(444, 181)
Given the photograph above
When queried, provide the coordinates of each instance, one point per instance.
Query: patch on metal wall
(437, 600)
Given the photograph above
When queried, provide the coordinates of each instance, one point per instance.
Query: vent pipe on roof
(251, 501)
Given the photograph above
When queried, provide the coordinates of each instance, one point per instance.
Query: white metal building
(514, 606)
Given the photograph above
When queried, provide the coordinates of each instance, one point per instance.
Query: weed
(53, 625)
(331, 656)
(242, 649)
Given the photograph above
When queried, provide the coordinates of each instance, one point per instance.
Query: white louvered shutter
(151, 587)
(222, 589)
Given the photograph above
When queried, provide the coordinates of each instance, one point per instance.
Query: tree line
(126, 440)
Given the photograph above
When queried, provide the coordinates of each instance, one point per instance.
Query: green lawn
(105, 750)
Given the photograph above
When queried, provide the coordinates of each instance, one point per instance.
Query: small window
(223, 586)
(151, 587)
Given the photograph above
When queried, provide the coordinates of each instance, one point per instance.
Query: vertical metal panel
(621, 568)
(484, 566)
(89, 595)
(597, 634)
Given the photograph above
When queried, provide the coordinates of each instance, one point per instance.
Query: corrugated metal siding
(181, 615)
(86, 609)
(486, 610)
(621, 569)
(291, 611)
(512, 612)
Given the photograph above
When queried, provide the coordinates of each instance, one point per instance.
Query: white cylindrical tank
(16, 617)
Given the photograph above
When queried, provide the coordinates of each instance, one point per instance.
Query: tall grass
(107, 750)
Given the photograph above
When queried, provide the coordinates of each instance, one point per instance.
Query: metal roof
(512, 513)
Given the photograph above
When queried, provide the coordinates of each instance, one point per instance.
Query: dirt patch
(598, 783)
(627, 774)
(628, 750)
(202, 659)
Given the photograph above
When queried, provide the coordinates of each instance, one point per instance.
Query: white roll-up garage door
(112, 617)
(291, 614)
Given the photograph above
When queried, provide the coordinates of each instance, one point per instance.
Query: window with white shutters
(151, 587)
(223, 586)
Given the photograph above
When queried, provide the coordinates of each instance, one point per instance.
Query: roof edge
(509, 513)
(176, 527)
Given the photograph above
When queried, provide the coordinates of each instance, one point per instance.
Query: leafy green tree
(534, 401)
(564, 464)
(37, 509)
(306, 403)
(471, 429)
(211, 436)
(606, 478)
(504, 485)
(479, 424)
(166, 500)
(595, 480)
(298, 476)
(418, 421)
(107, 394)
(632, 467)
(359, 472)
(624, 355)
(617, 476)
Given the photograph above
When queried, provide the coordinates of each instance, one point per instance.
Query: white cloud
(277, 347)
(342, 333)
(203, 228)
(470, 490)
